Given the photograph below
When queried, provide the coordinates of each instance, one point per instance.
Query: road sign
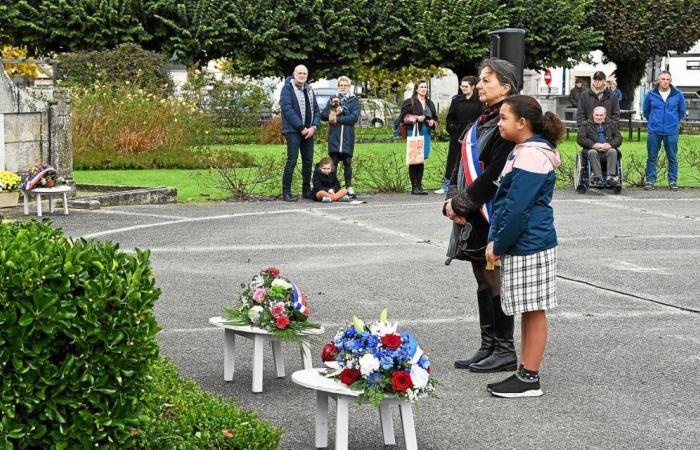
(547, 77)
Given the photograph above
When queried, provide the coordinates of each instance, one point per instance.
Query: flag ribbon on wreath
(297, 300)
(473, 168)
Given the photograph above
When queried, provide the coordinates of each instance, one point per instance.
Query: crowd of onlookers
(597, 117)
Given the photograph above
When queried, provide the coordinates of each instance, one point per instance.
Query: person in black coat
(326, 185)
(419, 110)
(465, 108)
(464, 202)
(597, 95)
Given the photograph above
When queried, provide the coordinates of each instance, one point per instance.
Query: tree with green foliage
(637, 30)
(277, 35)
(195, 30)
(454, 33)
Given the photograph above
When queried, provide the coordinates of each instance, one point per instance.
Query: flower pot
(9, 199)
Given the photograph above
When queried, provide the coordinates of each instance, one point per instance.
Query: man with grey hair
(600, 138)
(664, 108)
(300, 120)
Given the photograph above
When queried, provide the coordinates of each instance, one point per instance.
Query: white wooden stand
(329, 388)
(50, 193)
(258, 336)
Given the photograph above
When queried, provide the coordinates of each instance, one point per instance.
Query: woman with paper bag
(419, 116)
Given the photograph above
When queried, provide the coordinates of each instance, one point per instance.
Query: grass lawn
(196, 185)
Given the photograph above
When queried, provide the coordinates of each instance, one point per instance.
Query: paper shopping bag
(415, 148)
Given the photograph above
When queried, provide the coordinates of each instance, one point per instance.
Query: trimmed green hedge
(182, 416)
(77, 335)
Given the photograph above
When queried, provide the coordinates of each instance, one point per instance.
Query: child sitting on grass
(326, 185)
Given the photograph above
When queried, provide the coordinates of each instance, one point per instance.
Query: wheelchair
(583, 173)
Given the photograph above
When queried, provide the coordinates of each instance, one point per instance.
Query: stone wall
(35, 125)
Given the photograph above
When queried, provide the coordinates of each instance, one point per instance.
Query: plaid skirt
(529, 283)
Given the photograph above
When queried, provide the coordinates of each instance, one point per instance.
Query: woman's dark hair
(325, 161)
(505, 72)
(547, 125)
(415, 87)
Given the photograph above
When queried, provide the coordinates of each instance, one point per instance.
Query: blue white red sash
(298, 300)
(473, 168)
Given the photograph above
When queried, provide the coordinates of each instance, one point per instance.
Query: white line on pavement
(129, 213)
(188, 220)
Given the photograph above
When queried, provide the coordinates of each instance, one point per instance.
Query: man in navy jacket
(664, 108)
(300, 120)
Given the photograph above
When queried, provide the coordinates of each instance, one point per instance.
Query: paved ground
(621, 368)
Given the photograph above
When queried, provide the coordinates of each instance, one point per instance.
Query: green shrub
(127, 119)
(182, 416)
(77, 334)
(128, 63)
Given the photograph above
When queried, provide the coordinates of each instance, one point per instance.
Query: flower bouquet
(273, 303)
(377, 360)
(42, 175)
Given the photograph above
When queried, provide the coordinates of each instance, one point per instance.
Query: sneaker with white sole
(516, 387)
(673, 186)
(345, 198)
(649, 187)
(326, 200)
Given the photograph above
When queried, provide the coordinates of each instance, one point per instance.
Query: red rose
(392, 341)
(349, 376)
(274, 271)
(401, 381)
(282, 322)
(330, 351)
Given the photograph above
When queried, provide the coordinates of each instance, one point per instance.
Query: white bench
(259, 336)
(50, 193)
(343, 395)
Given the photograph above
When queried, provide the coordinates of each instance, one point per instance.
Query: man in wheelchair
(600, 139)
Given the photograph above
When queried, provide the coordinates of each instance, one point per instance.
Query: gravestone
(35, 125)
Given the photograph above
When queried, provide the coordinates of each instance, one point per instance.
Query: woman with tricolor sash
(471, 190)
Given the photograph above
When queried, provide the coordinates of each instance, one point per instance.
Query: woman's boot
(486, 323)
(503, 357)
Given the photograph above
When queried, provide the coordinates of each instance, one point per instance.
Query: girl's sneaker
(515, 387)
(326, 200)
(345, 198)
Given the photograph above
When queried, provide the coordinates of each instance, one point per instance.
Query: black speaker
(509, 44)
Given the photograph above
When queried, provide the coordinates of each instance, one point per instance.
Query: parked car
(323, 94)
(377, 112)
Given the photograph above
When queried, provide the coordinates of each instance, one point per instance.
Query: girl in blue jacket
(522, 234)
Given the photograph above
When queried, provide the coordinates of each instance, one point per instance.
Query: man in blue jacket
(300, 120)
(664, 108)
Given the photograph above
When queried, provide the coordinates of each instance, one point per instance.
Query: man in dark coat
(575, 94)
(598, 95)
(600, 138)
(300, 120)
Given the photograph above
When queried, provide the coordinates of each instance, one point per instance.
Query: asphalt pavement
(620, 370)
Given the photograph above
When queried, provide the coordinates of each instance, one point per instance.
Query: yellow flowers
(9, 181)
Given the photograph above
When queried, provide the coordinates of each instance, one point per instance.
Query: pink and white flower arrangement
(273, 303)
(378, 360)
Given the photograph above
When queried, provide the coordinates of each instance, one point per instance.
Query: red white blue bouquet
(273, 303)
(379, 360)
